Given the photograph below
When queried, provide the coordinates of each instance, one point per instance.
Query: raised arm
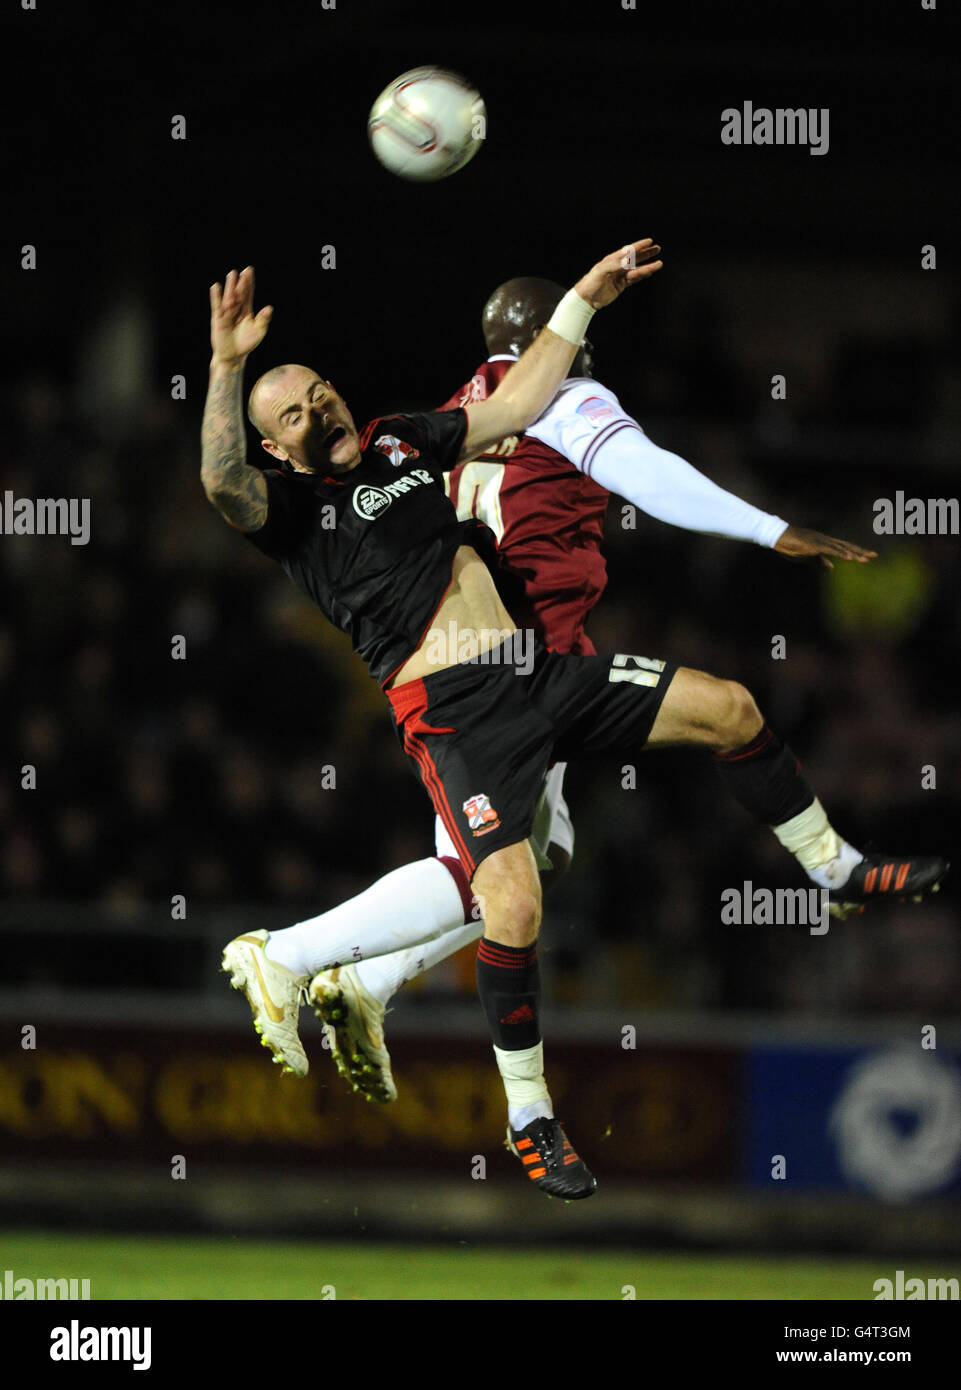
(236, 489)
(529, 387)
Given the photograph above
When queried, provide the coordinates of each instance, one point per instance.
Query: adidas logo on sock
(523, 1014)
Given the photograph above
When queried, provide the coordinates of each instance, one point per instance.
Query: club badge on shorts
(481, 816)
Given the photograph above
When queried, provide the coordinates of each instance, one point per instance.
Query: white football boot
(273, 993)
(354, 1023)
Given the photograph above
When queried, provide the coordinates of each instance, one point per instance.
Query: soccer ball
(427, 124)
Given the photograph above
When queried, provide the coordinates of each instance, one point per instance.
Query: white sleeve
(585, 423)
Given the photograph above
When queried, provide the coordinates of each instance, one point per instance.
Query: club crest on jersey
(368, 501)
(596, 411)
(481, 816)
(396, 449)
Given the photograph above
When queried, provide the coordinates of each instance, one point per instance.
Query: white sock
(818, 848)
(836, 872)
(383, 976)
(522, 1115)
(409, 905)
(523, 1076)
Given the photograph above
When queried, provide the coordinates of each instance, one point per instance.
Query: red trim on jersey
(368, 430)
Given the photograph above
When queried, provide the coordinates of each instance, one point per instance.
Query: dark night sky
(603, 125)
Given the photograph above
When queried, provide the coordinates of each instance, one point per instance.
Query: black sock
(508, 982)
(766, 778)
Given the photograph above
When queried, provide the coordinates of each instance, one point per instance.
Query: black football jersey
(374, 547)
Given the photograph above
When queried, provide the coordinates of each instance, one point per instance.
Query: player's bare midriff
(470, 621)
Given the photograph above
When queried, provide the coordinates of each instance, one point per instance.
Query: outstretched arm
(236, 489)
(587, 426)
(529, 387)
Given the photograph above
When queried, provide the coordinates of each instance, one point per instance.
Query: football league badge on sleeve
(481, 816)
(596, 412)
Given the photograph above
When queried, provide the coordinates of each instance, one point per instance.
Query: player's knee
(513, 916)
(522, 916)
(740, 718)
(509, 893)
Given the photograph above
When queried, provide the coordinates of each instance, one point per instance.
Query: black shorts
(482, 735)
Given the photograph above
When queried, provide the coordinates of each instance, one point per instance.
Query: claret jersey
(547, 518)
(374, 547)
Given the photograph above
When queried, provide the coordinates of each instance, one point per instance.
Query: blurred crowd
(196, 728)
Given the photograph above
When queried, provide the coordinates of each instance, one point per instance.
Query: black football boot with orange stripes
(551, 1163)
(887, 878)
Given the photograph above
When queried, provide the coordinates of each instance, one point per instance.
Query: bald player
(549, 537)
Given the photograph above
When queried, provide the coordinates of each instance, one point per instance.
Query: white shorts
(552, 823)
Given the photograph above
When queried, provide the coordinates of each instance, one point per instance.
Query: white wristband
(571, 317)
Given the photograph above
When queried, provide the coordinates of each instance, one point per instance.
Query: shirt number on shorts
(639, 670)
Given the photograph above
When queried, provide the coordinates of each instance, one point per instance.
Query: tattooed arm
(236, 489)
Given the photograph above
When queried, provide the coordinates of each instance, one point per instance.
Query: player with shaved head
(537, 483)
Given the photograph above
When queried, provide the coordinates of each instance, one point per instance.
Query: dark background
(202, 777)
(601, 123)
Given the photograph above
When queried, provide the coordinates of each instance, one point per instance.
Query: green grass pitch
(162, 1267)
